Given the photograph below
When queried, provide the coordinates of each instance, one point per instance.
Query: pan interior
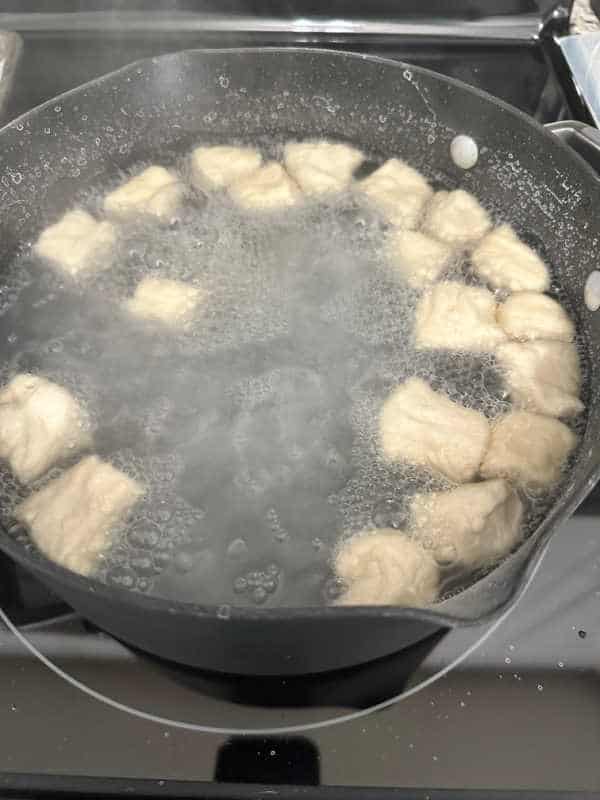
(254, 432)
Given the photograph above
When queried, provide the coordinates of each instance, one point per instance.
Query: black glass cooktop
(492, 45)
(512, 707)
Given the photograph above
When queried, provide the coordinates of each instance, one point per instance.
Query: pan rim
(336, 54)
(44, 567)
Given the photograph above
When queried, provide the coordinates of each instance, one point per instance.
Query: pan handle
(584, 139)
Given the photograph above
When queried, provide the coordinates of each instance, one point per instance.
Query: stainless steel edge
(518, 27)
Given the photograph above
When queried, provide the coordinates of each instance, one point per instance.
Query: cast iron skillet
(525, 175)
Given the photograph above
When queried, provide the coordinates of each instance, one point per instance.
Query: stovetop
(513, 706)
(519, 712)
(68, 49)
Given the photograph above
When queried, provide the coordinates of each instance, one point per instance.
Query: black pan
(525, 175)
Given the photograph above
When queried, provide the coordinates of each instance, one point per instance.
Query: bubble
(143, 534)
(259, 595)
(237, 549)
(161, 560)
(253, 579)
(121, 576)
(55, 346)
(240, 585)
(164, 513)
(389, 513)
(142, 564)
(334, 588)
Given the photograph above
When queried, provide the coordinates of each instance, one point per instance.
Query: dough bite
(268, 189)
(423, 427)
(217, 167)
(416, 258)
(505, 262)
(155, 191)
(542, 376)
(528, 449)
(321, 167)
(472, 525)
(454, 316)
(72, 519)
(173, 303)
(386, 567)
(456, 218)
(41, 424)
(77, 243)
(398, 191)
(531, 315)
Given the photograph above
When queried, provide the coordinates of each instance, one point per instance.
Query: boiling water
(255, 431)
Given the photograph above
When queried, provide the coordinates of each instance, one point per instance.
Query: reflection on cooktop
(273, 760)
